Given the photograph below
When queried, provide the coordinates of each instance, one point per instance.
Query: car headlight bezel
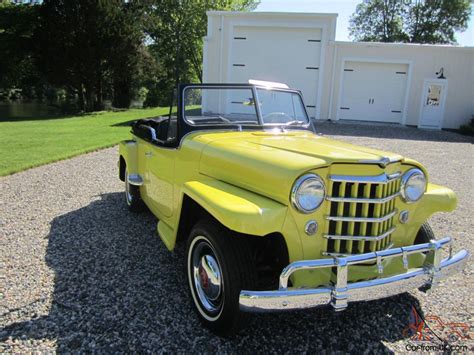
(303, 182)
(411, 174)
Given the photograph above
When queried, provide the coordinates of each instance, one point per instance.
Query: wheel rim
(206, 276)
(128, 195)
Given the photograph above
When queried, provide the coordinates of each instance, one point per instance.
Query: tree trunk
(90, 95)
(81, 98)
(122, 93)
(99, 104)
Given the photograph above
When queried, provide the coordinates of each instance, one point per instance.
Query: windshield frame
(253, 88)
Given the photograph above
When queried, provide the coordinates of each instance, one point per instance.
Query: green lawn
(28, 143)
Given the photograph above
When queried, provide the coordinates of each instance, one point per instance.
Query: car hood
(269, 162)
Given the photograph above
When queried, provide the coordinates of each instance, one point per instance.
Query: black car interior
(157, 130)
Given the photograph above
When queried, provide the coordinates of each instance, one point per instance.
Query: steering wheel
(277, 117)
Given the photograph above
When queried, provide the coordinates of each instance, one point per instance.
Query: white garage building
(428, 86)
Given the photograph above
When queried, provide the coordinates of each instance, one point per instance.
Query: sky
(345, 8)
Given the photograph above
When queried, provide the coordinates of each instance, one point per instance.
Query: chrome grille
(361, 213)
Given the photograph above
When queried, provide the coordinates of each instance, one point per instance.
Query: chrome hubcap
(207, 277)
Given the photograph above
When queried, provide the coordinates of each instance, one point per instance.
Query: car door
(159, 178)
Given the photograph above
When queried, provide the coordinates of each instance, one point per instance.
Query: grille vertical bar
(352, 213)
(340, 210)
(365, 213)
(361, 213)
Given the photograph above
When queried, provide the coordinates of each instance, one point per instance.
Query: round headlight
(413, 185)
(308, 193)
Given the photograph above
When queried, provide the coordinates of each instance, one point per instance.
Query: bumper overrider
(341, 292)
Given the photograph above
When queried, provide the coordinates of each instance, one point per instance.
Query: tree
(436, 21)
(91, 47)
(17, 55)
(176, 29)
(416, 21)
(128, 56)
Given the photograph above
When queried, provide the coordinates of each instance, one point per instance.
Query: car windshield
(281, 107)
(237, 105)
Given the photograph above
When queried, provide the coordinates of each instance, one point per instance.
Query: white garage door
(373, 92)
(287, 55)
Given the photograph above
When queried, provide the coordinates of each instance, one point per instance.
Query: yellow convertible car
(276, 217)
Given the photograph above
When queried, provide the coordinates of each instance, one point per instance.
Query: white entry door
(432, 104)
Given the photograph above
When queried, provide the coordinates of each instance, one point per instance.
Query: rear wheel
(132, 195)
(218, 268)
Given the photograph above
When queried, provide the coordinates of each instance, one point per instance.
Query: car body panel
(273, 160)
(243, 178)
(436, 199)
(238, 209)
(158, 173)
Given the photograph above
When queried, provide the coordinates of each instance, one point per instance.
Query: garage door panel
(373, 91)
(260, 43)
(288, 55)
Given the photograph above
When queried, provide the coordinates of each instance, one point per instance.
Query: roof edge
(399, 44)
(270, 13)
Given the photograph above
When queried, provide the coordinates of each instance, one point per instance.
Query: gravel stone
(79, 273)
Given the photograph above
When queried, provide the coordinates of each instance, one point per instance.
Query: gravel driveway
(80, 273)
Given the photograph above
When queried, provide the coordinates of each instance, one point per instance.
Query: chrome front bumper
(341, 292)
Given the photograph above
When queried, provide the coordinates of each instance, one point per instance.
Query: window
(281, 107)
(434, 95)
(236, 106)
(214, 106)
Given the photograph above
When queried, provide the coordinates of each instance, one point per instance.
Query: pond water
(22, 109)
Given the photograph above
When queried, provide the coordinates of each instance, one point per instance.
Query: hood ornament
(384, 161)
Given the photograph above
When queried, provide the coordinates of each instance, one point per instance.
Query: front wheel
(218, 268)
(425, 234)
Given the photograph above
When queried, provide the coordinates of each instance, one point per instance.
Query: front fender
(436, 199)
(439, 199)
(237, 209)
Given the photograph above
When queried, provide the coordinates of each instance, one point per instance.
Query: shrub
(467, 129)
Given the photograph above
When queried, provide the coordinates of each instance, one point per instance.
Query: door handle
(148, 154)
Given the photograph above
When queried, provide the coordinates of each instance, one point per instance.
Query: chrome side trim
(362, 219)
(361, 237)
(343, 292)
(363, 200)
(135, 179)
(377, 179)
